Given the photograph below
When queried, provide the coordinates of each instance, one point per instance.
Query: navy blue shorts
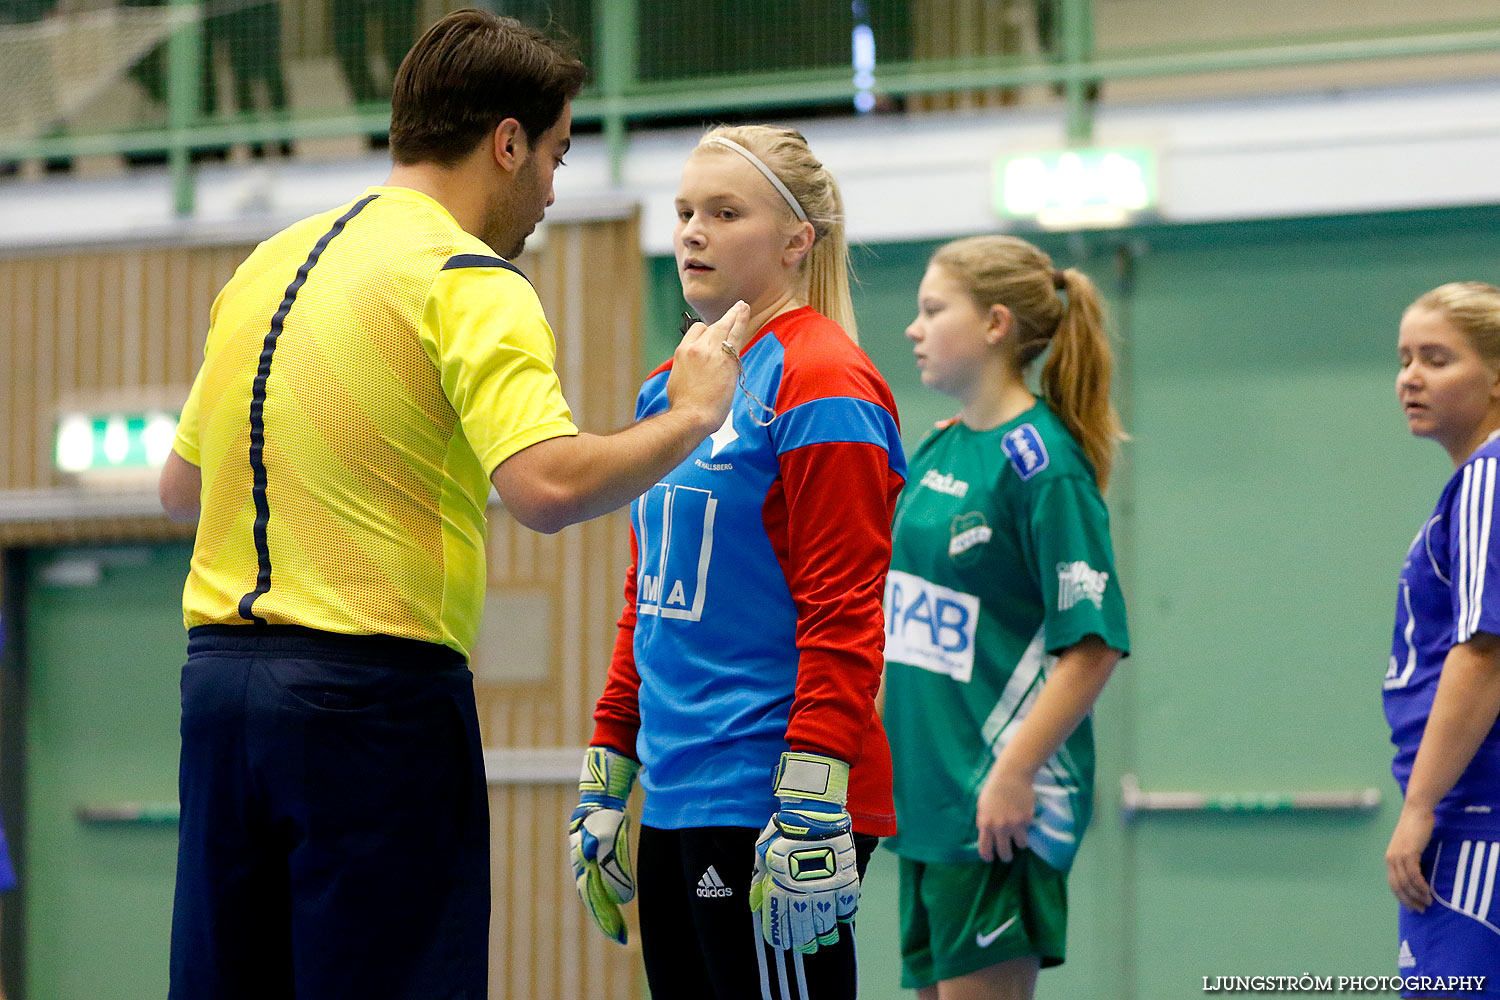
(1459, 934)
(335, 821)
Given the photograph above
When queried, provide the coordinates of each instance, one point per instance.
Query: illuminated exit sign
(1076, 189)
(114, 442)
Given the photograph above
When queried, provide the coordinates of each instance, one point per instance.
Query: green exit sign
(1076, 188)
(114, 442)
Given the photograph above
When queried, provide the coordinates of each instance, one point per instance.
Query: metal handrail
(806, 87)
(129, 813)
(504, 766)
(618, 97)
(1134, 801)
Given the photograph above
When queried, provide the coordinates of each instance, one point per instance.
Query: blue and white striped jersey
(1450, 589)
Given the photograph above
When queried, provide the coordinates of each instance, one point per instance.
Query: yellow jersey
(366, 370)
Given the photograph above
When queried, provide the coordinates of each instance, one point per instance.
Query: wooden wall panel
(966, 29)
(543, 946)
(95, 329)
(120, 323)
(91, 531)
(306, 26)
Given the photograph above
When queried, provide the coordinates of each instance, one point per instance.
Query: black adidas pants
(699, 938)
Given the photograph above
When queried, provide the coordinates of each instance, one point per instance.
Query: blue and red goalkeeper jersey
(753, 619)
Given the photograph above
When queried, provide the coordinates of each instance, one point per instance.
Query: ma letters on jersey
(929, 626)
(675, 527)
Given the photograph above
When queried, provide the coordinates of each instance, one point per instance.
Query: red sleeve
(617, 714)
(839, 498)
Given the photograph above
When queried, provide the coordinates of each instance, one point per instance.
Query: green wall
(102, 661)
(1273, 492)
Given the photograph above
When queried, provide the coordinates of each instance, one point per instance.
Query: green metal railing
(183, 73)
(624, 90)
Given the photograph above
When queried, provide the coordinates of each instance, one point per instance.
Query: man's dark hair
(467, 74)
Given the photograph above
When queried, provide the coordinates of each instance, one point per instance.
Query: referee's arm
(546, 487)
(180, 488)
(564, 480)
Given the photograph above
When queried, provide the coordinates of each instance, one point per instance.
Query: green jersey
(1001, 559)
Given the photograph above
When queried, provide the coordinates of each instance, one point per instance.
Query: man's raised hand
(706, 366)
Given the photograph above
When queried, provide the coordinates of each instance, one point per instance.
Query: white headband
(755, 162)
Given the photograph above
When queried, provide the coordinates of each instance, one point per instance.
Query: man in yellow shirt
(370, 373)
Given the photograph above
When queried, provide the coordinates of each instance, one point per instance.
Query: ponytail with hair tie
(1075, 380)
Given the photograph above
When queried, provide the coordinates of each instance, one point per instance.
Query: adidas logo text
(710, 886)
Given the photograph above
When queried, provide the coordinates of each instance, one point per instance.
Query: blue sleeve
(1475, 552)
(833, 419)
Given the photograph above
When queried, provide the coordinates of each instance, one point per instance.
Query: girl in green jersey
(1004, 618)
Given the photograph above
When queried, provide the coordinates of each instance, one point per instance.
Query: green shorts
(961, 917)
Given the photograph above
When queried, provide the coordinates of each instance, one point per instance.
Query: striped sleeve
(1475, 552)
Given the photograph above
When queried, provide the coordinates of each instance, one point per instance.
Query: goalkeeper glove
(598, 838)
(805, 878)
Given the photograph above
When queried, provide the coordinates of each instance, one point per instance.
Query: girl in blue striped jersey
(1442, 685)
